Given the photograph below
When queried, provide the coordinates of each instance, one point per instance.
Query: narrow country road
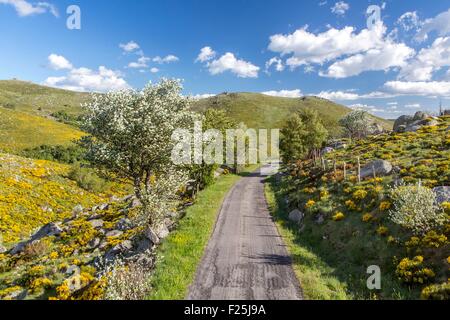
(245, 257)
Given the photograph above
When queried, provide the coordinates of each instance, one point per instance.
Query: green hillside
(20, 130)
(262, 111)
(39, 100)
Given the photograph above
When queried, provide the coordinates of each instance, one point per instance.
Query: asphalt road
(245, 257)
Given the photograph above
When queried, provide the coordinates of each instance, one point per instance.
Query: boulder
(103, 207)
(97, 223)
(419, 115)
(143, 244)
(151, 235)
(319, 219)
(50, 229)
(442, 194)
(17, 295)
(123, 247)
(162, 231)
(296, 216)
(94, 243)
(77, 209)
(402, 121)
(2, 249)
(114, 233)
(124, 224)
(381, 168)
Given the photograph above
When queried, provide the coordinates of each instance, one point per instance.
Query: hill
(347, 224)
(263, 111)
(39, 100)
(20, 130)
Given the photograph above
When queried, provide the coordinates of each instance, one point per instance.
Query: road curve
(246, 258)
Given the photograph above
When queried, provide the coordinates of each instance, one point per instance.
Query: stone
(376, 128)
(134, 203)
(401, 128)
(419, 115)
(402, 121)
(296, 216)
(319, 219)
(77, 209)
(2, 249)
(50, 229)
(124, 246)
(18, 248)
(96, 223)
(17, 295)
(381, 168)
(94, 243)
(151, 235)
(327, 150)
(442, 194)
(162, 231)
(143, 245)
(114, 233)
(103, 207)
(124, 224)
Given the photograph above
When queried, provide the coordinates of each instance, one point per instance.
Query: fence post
(359, 170)
(345, 170)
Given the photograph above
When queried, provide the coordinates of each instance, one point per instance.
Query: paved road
(245, 257)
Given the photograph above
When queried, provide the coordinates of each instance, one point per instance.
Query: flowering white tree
(357, 124)
(130, 135)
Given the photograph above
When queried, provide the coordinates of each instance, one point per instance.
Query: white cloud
(167, 59)
(368, 108)
(58, 62)
(392, 103)
(391, 55)
(25, 8)
(84, 79)
(228, 62)
(338, 95)
(428, 61)
(284, 93)
(413, 106)
(140, 63)
(409, 21)
(340, 8)
(322, 3)
(206, 54)
(440, 24)
(421, 88)
(154, 70)
(203, 96)
(306, 48)
(129, 47)
(277, 62)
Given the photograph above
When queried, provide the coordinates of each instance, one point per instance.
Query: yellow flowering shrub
(338, 216)
(385, 205)
(436, 292)
(412, 271)
(350, 205)
(310, 204)
(367, 217)
(382, 230)
(360, 194)
(41, 283)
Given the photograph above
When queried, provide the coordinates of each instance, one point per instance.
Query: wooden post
(323, 163)
(359, 170)
(345, 171)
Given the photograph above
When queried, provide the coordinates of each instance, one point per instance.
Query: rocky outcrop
(442, 194)
(50, 229)
(407, 123)
(377, 167)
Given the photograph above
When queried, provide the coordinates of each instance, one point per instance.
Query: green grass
(182, 251)
(19, 130)
(262, 111)
(39, 100)
(316, 277)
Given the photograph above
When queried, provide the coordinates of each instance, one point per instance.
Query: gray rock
(442, 194)
(143, 245)
(124, 246)
(402, 121)
(18, 248)
(381, 168)
(134, 203)
(50, 229)
(319, 219)
(2, 249)
(401, 128)
(103, 245)
(103, 206)
(296, 216)
(17, 295)
(77, 209)
(114, 233)
(97, 223)
(94, 243)
(419, 115)
(151, 235)
(124, 224)
(161, 231)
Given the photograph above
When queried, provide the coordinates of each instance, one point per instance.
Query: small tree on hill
(302, 135)
(130, 135)
(357, 124)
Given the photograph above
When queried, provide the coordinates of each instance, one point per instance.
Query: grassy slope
(262, 111)
(182, 251)
(351, 245)
(39, 100)
(316, 277)
(19, 130)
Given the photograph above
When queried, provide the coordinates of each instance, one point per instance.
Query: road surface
(245, 257)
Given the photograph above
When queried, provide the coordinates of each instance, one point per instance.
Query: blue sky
(287, 48)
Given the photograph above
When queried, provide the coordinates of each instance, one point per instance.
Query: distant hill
(39, 100)
(20, 130)
(262, 111)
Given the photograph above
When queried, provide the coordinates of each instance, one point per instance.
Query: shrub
(414, 208)
(412, 271)
(63, 154)
(437, 292)
(87, 179)
(338, 216)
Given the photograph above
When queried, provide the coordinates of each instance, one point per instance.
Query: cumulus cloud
(340, 8)
(154, 70)
(203, 96)
(420, 88)
(129, 47)
(284, 93)
(140, 63)
(413, 106)
(206, 54)
(391, 55)
(338, 95)
(228, 62)
(277, 62)
(58, 62)
(365, 107)
(84, 79)
(167, 59)
(428, 61)
(439, 24)
(25, 8)
(409, 21)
